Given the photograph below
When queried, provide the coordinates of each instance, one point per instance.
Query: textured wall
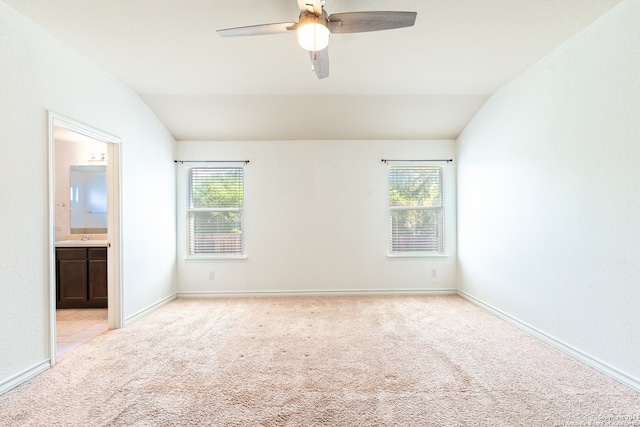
(37, 73)
(548, 195)
(316, 219)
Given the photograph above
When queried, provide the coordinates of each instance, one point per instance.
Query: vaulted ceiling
(422, 82)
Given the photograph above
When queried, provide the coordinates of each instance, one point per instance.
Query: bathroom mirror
(88, 199)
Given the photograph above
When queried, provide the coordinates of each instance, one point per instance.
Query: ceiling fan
(314, 27)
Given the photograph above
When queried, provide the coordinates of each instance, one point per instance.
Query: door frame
(114, 214)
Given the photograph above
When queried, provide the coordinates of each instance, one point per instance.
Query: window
(214, 211)
(416, 210)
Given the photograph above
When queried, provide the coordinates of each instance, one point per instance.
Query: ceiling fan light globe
(313, 36)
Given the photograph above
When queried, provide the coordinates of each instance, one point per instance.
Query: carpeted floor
(319, 361)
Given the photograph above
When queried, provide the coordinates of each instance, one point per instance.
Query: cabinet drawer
(98, 253)
(71, 253)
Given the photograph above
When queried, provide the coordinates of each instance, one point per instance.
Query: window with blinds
(215, 211)
(416, 210)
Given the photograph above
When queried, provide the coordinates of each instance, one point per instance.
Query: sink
(93, 236)
(81, 243)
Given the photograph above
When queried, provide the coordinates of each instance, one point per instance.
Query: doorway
(94, 231)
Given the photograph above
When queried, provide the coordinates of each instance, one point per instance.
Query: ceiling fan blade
(361, 22)
(320, 62)
(258, 30)
(313, 6)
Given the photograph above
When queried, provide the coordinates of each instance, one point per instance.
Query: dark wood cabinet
(81, 277)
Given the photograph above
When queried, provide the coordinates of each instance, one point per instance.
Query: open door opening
(84, 219)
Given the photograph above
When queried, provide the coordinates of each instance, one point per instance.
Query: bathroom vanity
(81, 274)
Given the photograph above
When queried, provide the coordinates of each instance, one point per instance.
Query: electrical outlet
(212, 275)
(434, 273)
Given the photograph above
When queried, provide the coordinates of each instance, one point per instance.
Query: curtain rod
(211, 161)
(414, 160)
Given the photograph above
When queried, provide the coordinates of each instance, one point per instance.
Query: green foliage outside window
(416, 204)
(216, 204)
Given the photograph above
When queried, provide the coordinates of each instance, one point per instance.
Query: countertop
(82, 244)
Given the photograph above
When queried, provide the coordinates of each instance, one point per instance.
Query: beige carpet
(319, 361)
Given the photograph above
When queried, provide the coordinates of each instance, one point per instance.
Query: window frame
(440, 209)
(190, 254)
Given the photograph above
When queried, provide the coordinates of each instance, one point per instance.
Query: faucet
(85, 237)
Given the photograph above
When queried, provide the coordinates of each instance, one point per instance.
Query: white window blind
(416, 210)
(215, 211)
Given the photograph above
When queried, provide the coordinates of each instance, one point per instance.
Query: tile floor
(77, 325)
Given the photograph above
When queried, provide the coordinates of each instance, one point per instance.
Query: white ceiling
(423, 82)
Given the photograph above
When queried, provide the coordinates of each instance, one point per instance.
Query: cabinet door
(72, 282)
(98, 281)
(98, 277)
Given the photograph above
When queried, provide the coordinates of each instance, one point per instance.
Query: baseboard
(599, 365)
(24, 376)
(131, 319)
(345, 292)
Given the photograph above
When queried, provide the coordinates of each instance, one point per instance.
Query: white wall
(38, 73)
(548, 198)
(316, 220)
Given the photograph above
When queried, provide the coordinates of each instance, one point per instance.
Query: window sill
(418, 255)
(215, 258)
